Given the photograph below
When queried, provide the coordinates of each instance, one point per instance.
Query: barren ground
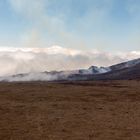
(70, 111)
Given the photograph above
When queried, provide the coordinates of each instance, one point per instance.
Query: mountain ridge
(125, 70)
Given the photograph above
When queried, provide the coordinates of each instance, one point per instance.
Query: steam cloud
(31, 60)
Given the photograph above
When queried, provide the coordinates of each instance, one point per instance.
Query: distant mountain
(126, 70)
(122, 71)
(95, 70)
(127, 64)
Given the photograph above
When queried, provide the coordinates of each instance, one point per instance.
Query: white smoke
(33, 60)
(30, 77)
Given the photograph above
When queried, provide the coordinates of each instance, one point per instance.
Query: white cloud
(25, 60)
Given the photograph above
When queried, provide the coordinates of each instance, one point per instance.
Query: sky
(109, 28)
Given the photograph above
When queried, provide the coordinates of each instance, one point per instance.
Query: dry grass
(70, 111)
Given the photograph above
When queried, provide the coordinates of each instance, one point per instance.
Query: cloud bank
(27, 60)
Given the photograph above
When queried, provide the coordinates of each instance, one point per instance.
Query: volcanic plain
(92, 110)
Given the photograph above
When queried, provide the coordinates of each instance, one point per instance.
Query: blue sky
(106, 25)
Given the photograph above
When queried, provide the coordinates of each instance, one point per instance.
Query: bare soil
(70, 111)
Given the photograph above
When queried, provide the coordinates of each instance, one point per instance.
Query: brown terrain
(107, 110)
